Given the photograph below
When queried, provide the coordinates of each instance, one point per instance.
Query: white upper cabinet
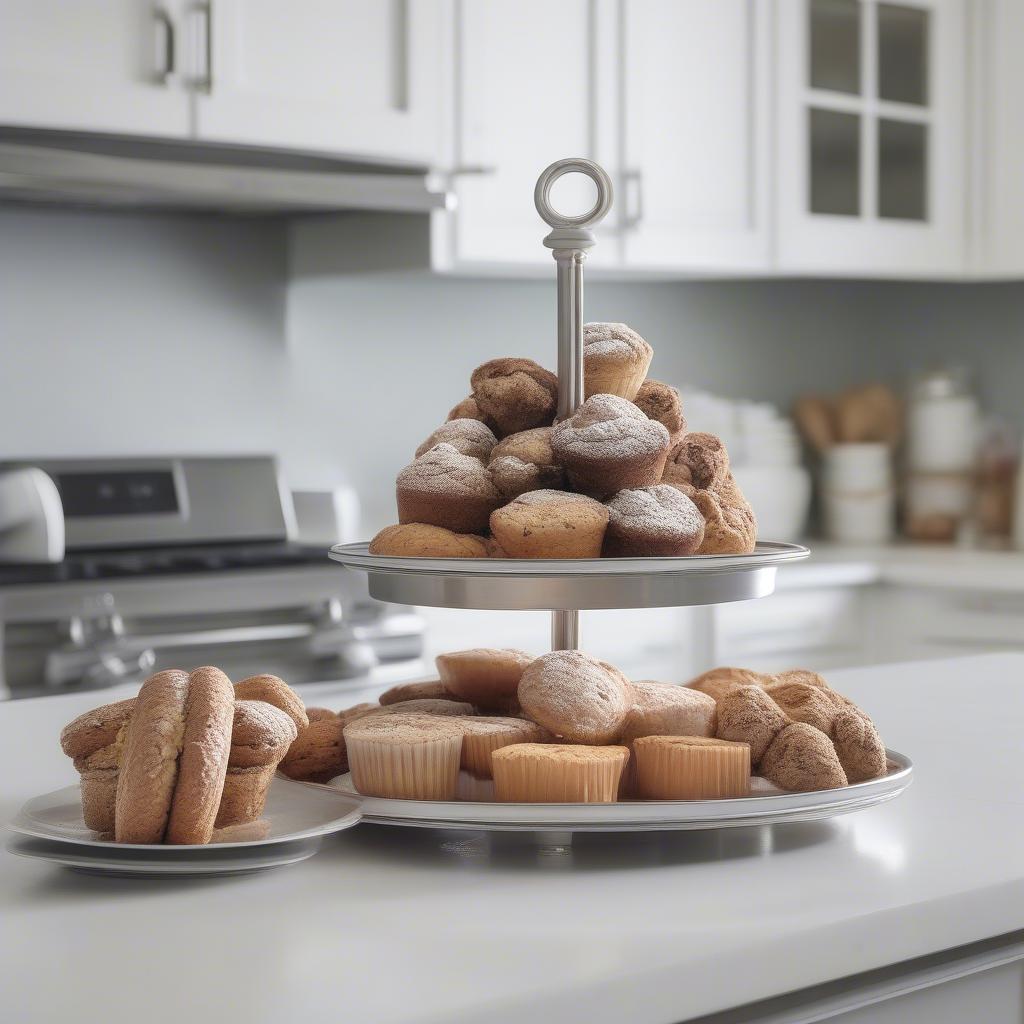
(871, 137)
(91, 66)
(345, 77)
(528, 83)
(998, 116)
(695, 134)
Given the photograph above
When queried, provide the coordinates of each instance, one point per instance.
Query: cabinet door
(92, 65)
(529, 81)
(344, 77)
(695, 169)
(870, 153)
(998, 121)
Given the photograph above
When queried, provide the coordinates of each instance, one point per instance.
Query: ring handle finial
(551, 174)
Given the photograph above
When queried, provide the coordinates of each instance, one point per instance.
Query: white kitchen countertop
(389, 925)
(916, 565)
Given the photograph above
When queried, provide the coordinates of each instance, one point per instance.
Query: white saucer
(297, 817)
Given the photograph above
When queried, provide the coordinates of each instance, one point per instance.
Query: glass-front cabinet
(870, 169)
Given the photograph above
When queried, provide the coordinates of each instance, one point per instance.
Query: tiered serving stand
(565, 587)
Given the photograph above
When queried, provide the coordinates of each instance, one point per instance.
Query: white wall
(137, 334)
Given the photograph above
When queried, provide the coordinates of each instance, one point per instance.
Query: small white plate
(297, 818)
(635, 815)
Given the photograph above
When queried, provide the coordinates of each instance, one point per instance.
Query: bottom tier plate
(635, 816)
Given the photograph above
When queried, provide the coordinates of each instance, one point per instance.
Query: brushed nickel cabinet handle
(202, 81)
(162, 75)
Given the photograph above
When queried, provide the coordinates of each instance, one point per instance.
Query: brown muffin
(274, 691)
(320, 714)
(484, 735)
(691, 768)
(516, 393)
(550, 524)
(615, 360)
(576, 697)
(652, 521)
(730, 527)
(420, 540)
(557, 773)
(661, 402)
(429, 689)
(801, 759)
(719, 681)
(95, 729)
(609, 445)
(468, 436)
(700, 460)
(525, 462)
(446, 488)
(748, 715)
(318, 752)
(443, 708)
(483, 675)
(468, 409)
(665, 709)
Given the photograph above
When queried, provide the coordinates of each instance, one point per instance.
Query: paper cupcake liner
(543, 780)
(682, 772)
(424, 770)
(474, 789)
(477, 748)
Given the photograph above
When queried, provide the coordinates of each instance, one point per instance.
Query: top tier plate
(507, 584)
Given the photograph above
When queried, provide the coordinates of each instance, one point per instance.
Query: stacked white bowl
(764, 453)
(857, 493)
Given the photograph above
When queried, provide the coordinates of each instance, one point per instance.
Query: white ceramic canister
(858, 499)
(942, 423)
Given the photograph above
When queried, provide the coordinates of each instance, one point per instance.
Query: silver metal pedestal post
(569, 240)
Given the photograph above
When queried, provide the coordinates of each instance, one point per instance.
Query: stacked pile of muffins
(620, 477)
(566, 727)
(188, 761)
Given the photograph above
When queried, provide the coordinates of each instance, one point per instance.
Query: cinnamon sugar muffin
(468, 409)
(801, 759)
(449, 489)
(483, 675)
(652, 521)
(516, 394)
(615, 360)
(525, 462)
(550, 524)
(700, 461)
(575, 696)
(609, 445)
(420, 540)
(468, 436)
(661, 402)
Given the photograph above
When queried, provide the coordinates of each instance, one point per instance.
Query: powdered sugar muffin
(575, 696)
(516, 394)
(609, 445)
(615, 360)
(550, 524)
(468, 436)
(652, 521)
(661, 402)
(449, 489)
(525, 462)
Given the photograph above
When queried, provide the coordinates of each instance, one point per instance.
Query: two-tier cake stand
(565, 587)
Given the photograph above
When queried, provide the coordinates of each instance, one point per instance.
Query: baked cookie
(609, 445)
(746, 714)
(615, 360)
(801, 759)
(575, 696)
(485, 676)
(516, 394)
(468, 436)
(420, 540)
(661, 402)
(525, 462)
(550, 524)
(449, 489)
(652, 521)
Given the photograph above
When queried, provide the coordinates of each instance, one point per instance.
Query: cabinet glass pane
(902, 54)
(835, 45)
(835, 162)
(902, 178)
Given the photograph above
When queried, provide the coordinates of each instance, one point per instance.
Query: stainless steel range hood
(85, 170)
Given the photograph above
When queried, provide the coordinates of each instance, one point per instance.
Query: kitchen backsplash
(165, 328)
